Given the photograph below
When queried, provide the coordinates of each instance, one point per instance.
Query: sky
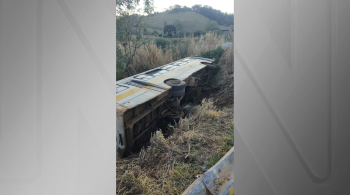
(222, 5)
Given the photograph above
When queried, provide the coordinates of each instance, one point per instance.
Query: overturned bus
(146, 100)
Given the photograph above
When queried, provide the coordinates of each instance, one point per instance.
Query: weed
(215, 53)
(212, 161)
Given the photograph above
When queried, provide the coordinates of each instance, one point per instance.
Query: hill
(190, 21)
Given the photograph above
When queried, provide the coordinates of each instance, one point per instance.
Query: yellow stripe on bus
(127, 93)
(154, 81)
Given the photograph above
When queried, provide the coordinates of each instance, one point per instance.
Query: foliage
(155, 33)
(221, 18)
(120, 65)
(162, 43)
(199, 33)
(130, 37)
(178, 8)
(130, 29)
(131, 5)
(215, 53)
(160, 51)
(169, 29)
(213, 14)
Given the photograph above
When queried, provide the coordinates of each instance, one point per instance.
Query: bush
(162, 43)
(155, 33)
(174, 41)
(215, 53)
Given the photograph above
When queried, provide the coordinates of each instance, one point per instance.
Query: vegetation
(169, 165)
(212, 26)
(169, 29)
(215, 53)
(159, 51)
(198, 33)
(190, 21)
(221, 18)
(129, 32)
(162, 43)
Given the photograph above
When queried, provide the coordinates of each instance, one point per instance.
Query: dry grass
(150, 56)
(169, 166)
(222, 84)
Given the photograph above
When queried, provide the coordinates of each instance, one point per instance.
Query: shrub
(155, 33)
(215, 53)
(162, 43)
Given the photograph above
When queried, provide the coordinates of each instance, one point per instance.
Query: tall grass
(150, 56)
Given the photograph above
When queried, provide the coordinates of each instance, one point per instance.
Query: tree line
(222, 18)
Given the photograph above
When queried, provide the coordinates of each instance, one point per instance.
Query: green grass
(190, 21)
(212, 161)
(195, 153)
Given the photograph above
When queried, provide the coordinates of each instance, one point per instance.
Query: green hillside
(190, 21)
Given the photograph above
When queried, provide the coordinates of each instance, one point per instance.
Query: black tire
(176, 84)
(178, 93)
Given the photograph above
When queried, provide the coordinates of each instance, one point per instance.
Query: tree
(169, 29)
(131, 5)
(129, 33)
(213, 14)
(196, 7)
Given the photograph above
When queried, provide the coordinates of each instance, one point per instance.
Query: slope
(190, 21)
